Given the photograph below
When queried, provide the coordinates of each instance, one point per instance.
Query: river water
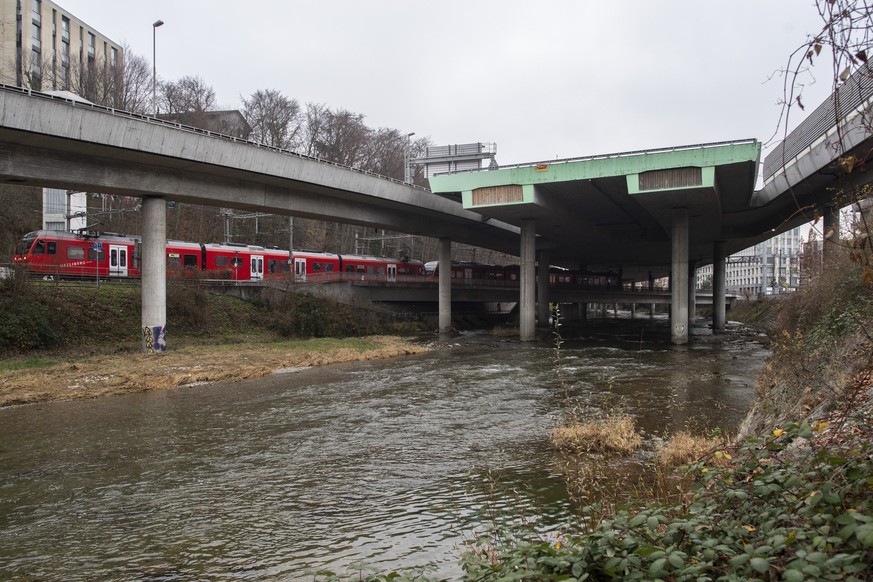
(386, 465)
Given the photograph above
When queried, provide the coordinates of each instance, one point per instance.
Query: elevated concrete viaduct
(49, 141)
(645, 213)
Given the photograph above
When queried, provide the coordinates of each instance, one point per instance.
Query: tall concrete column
(692, 293)
(831, 224)
(543, 288)
(154, 275)
(718, 287)
(679, 278)
(527, 284)
(445, 287)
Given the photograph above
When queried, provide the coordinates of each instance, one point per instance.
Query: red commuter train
(480, 274)
(65, 255)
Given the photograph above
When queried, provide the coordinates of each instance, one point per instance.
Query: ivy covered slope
(791, 500)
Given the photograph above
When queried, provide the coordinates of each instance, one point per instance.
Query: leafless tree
(342, 137)
(188, 94)
(843, 47)
(274, 118)
(133, 92)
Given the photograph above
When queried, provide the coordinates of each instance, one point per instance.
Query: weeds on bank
(794, 506)
(614, 434)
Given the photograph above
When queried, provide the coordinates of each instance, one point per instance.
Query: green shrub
(789, 507)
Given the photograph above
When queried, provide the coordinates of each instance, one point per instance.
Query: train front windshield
(23, 246)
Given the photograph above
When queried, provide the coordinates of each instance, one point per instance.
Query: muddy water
(383, 465)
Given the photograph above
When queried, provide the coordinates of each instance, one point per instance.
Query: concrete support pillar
(651, 311)
(692, 293)
(154, 275)
(718, 287)
(445, 287)
(543, 288)
(527, 284)
(679, 278)
(633, 310)
(831, 224)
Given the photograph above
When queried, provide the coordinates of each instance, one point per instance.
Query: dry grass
(684, 448)
(612, 434)
(118, 374)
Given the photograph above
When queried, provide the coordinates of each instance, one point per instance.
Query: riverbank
(25, 381)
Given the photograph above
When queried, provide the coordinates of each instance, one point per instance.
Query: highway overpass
(647, 213)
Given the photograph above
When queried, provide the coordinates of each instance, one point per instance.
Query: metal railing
(611, 156)
(851, 95)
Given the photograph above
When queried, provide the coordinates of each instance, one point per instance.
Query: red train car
(59, 254)
(483, 274)
(312, 266)
(63, 254)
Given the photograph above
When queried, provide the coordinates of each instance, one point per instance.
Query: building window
(113, 56)
(91, 48)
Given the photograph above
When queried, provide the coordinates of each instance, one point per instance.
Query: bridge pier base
(718, 287)
(154, 275)
(527, 283)
(679, 278)
(445, 288)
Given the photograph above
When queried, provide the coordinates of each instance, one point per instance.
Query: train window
(316, 267)
(190, 261)
(328, 267)
(236, 262)
(360, 268)
(272, 265)
(39, 247)
(350, 269)
(174, 261)
(220, 261)
(76, 253)
(96, 254)
(52, 248)
(284, 267)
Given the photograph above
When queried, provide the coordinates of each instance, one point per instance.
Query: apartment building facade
(768, 268)
(44, 47)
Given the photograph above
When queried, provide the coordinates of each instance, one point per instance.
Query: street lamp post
(155, 26)
(407, 174)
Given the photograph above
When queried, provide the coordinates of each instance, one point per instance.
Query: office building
(44, 47)
(768, 268)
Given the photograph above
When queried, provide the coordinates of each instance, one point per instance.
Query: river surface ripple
(372, 466)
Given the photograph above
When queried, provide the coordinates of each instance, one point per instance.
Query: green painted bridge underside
(616, 210)
(629, 165)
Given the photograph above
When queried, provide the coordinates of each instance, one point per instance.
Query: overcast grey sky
(541, 79)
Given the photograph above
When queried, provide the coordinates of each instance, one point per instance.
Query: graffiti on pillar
(154, 338)
(679, 328)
